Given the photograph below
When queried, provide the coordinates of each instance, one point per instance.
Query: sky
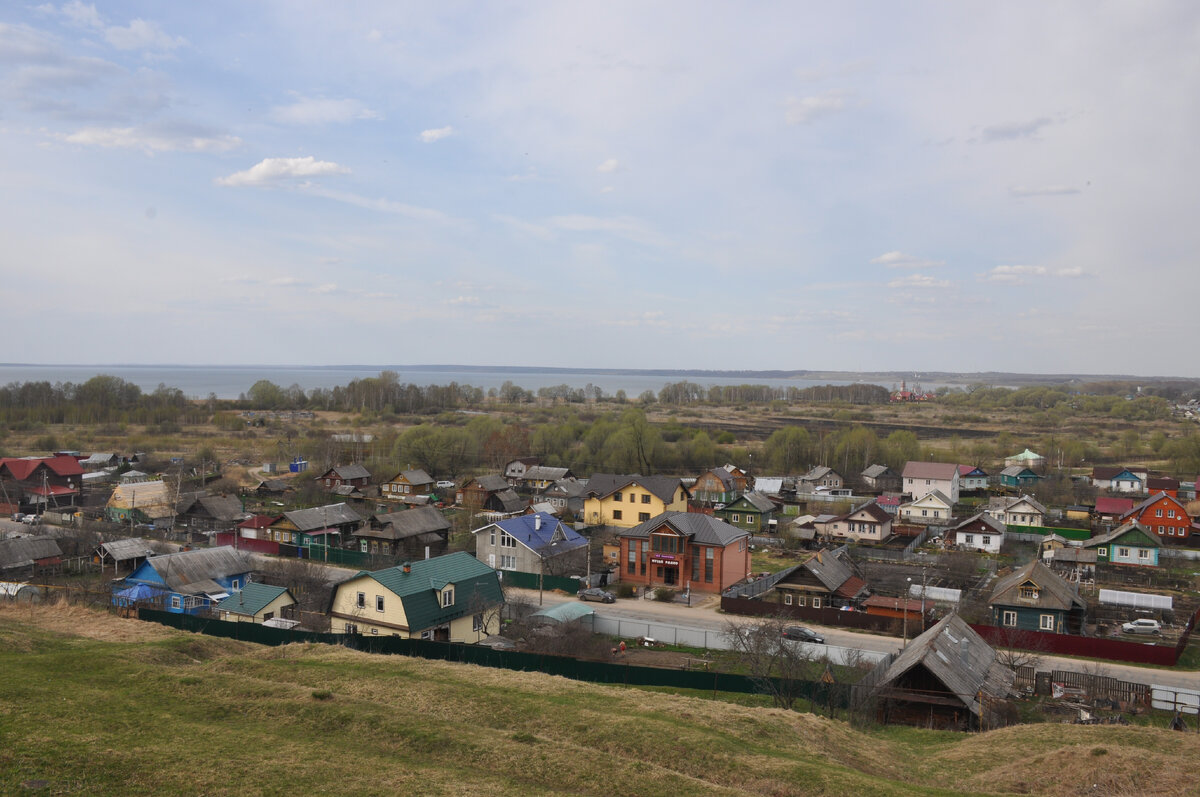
(931, 186)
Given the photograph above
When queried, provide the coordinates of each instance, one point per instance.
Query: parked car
(597, 594)
(1142, 625)
(445, 485)
(799, 633)
(31, 520)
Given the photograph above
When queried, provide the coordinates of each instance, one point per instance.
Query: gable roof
(1017, 470)
(937, 495)
(957, 657)
(571, 488)
(602, 485)
(1053, 591)
(1122, 531)
(703, 529)
(1024, 499)
(875, 471)
(25, 551)
(756, 500)
(1151, 501)
(1113, 506)
(917, 469)
(347, 472)
(407, 523)
(509, 500)
(545, 473)
(252, 599)
(1027, 455)
(872, 508)
(21, 468)
(146, 496)
(724, 476)
(320, 517)
(538, 532)
(220, 507)
(490, 483)
(178, 570)
(971, 470)
(1109, 472)
(984, 518)
(127, 548)
(835, 574)
(475, 584)
(819, 472)
(416, 476)
(258, 521)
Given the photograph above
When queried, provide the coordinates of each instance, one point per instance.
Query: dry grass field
(95, 704)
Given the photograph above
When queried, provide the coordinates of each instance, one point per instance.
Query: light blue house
(188, 581)
(1130, 544)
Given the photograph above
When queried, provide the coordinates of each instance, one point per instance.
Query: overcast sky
(856, 186)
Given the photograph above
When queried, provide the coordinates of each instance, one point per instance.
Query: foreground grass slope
(92, 704)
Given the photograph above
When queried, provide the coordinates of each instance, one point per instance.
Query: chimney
(407, 567)
(537, 522)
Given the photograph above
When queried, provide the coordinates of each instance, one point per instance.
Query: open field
(93, 704)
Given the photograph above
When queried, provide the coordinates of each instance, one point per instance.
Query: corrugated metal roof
(537, 531)
(126, 549)
(25, 551)
(476, 587)
(320, 517)
(252, 599)
(188, 567)
(1053, 591)
(930, 470)
(703, 529)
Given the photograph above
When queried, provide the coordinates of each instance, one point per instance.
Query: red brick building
(685, 549)
(1164, 515)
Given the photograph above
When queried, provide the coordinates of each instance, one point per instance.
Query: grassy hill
(93, 704)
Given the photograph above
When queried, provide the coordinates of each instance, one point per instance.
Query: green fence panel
(531, 581)
(1071, 534)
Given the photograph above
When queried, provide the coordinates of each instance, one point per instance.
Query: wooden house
(451, 598)
(1018, 477)
(1034, 598)
(717, 486)
(406, 533)
(1129, 544)
(406, 485)
(972, 478)
(881, 478)
(297, 527)
(540, 477)
(204, 512)
(819, 478)
(474, 494)
(189, 581)
(514, 470)
(751, 511)
(566, 496)
(1118, 479)
(35, 484)
(29, 557)
(827, 580)
(141, 502)
(353, 475)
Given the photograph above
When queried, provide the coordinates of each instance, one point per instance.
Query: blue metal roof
(538, 531)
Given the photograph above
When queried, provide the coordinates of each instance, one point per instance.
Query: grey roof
(347, 491)
(189, 567)
(1121, 531)
(759, 501)
(416, 476)
(982, 517)
(819, 472)
(568, 487)
(491, 483)
(1053, 591)
(930, 470)
(407, 523)
(875, 471)
(320, 517)
(99, 460)
(221, 507)
(1015, 470)
(354, 471)
(958, 658)
(24, 551)
(126, 549)
(274, 485)
(545, 472)
(1071, 554)
(205, 586)
(830, 569)
(938, 494)
(510, 501)
(605, 484)
(1033, 502)
(703, 529)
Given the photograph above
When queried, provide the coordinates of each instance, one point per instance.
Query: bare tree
(777, 665)
(1017, 650)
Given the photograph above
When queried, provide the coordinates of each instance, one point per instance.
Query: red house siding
(1157, 518)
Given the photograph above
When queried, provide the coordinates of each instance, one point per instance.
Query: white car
(1142, 626)
(445, 485)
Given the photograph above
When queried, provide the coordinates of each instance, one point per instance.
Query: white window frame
(787, 599)
(477, 622)
(379, 603)
(816, 602)
(361, 602)
(447, 597)
(1046, 622)
(1008, 619)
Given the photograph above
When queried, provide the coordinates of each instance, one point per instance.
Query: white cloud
(608, 189)
(1010, 131)
(529, 228)
(151, 140)
(430, 136)
(310, 111)
(622, 226)
(1013, 275)
(1046, 190)
(81, 14)
(918, 281)
(609, 166)
(273, 170)
(142, 35)
(328, 287)
(382, 205)
(464, 300)
(1071, 273)
(374, 36)
(803, 110)
(901, 260)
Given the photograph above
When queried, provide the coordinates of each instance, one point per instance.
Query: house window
(426, 634)
(708, 565)
(1170, 513)
(492, 536)
(1046, 622)
(801, 600)
(1160, 529)
(1010, 619)
(447, 597)
(735, 517)
(1123, 552)
(695, 561)
(659, 572)
(616, 514)
(1143, 553)
(1028, 592)
(507, 540)
(632, 566)
(816, 602)
(643, 516)
(1158, 512)
(646, 498)
(924, 513)
(742, 544)
(617, 495)
(970, 539)
(787, 599)
(477, 623)
(378, 603)
(645, 554)
(351, 628)
(174, 601)
(987, 540)
(361, 603)
(508, 562)
(236, 584)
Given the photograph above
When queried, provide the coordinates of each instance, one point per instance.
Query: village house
(451, 598)
(627, 501)
(537, 544)
(141, 502)
(541, 477)
(947, 678)
(827, 580)
(514, 470)
(566, 496)
(407, 485)
(1118, 479)
(1111, 510)
(410, 532)
(1162, 484)
(685, 550)
(1018, 477)
(204, 512)
(1026, 459)
(33, 484)
(972, 478)
(476, 493)
(718, 486)
(1034, 598)
(931, 509)
(869, 522)
(921, 478)
(255, 603)
(186, 582)
(819, 478)
(304, 526)
(29, 557)
(978, 533)
(881, 478)
(1163, 515)
(1129, 544)
(353, 475)
(1023, 511)
(751, 511)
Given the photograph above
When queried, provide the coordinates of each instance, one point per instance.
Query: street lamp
(906, 594)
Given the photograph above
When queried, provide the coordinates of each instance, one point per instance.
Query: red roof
(888, 500)
(851, 587)
(22, 468)
(53, 490)
(258, 521)
(898, 604)
(1113, 506)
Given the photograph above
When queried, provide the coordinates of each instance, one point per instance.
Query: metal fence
(759, 586)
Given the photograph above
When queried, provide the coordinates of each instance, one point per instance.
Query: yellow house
(452, 598)
(626, 501)
(255, 603)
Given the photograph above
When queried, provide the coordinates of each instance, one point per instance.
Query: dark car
(799, 633)
(597, 594)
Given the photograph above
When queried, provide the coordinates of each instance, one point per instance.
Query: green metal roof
(565, 612)
(476, 587)
(251, 600)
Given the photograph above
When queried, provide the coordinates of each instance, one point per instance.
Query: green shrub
(664, 594)
(322, 694)
(625, 590)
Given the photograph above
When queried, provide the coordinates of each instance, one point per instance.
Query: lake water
(227, 382)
